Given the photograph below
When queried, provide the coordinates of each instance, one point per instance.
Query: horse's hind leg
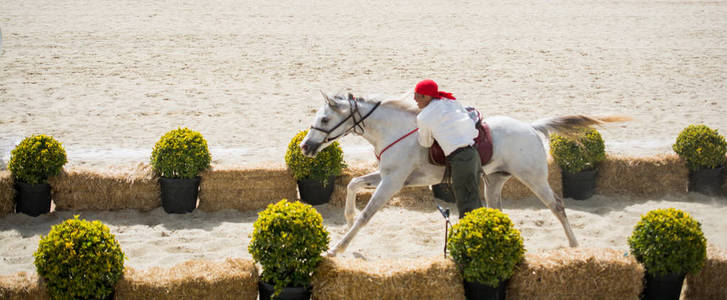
(370, 180)
(493, 188)
(539, 185)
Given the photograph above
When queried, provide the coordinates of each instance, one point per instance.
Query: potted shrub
(35, 159)
(79, 259)
(486, 248)
(578, 159)
(178, 157)
(669, 243)
(704, 150)
(287, 241)
(315, 175)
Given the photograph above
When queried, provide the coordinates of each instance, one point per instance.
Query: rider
(442, 119)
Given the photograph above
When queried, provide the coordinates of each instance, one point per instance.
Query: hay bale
(577, 273)
(7, 193)
(21, 286)
(110, 189)
(245, 189)
(201, 279)
(710, 283)
(432, 278)
(642, 176)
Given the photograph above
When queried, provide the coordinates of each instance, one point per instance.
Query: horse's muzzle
(310, 149)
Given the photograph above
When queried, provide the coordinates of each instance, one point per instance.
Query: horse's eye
(324, 120)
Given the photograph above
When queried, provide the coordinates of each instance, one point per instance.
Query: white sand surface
(108, 78)
(159, 239)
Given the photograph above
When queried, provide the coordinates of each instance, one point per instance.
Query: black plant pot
(707, 181)
(476, 290)
(579, 186)
(179, 195)
(313, 192)
(32, 199)
(444, 192)
(665, 287)
(288, 293)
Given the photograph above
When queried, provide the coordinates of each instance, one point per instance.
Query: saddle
(483, 141)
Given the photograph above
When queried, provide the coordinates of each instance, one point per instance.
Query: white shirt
(447, 122)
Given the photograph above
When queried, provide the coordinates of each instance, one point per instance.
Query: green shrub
(79, 259)
(36, 158)
(328, 162)
(575, 156)
(181, 153)
(669, 241)
(485, 246)
(287, 240)
(701, 146)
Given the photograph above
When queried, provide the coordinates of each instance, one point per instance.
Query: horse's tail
(570, 126)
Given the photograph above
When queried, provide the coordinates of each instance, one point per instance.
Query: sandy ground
(158, 239)
(108, 78)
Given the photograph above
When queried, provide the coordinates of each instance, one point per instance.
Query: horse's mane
(402, 102)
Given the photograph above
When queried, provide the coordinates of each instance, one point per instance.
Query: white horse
(518, 151)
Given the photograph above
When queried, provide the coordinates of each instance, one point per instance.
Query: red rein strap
(378, 157)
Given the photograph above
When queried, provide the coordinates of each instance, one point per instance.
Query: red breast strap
(378, 157)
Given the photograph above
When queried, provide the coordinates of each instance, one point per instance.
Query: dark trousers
(466, 167)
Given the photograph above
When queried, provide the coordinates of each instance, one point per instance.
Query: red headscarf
(429, 87)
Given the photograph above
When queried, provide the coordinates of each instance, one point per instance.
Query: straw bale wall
(245, 189)
(22, 286)
(642, 176)
(711, 282)
(351, 279)
(571, 273)
(234, 278)
(253, 188)
(7, 194)
(112, 189)
(577, 273)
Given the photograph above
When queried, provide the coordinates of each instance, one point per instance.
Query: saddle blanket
(483, 141)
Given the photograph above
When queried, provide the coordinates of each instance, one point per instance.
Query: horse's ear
(330, 102)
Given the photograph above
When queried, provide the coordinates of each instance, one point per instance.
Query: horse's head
(333, 120)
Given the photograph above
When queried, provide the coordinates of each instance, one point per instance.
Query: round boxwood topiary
(180, 153)
(79, 259)
(287, 240)
(36, 158)
(668, 241)
(328, 162)
(485, 246)
(574, 156)
(701, 146)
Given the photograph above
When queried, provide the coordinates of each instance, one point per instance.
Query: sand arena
(107, 79)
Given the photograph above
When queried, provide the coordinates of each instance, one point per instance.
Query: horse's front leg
(389, 185)
(356, 184)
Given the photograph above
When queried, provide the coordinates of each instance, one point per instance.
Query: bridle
(358, 125)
